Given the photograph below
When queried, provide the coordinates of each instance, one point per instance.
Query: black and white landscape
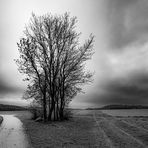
(74, 73)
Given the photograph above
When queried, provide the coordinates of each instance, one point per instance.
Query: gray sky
(120, 61)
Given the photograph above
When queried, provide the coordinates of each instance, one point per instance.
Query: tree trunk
(57, 110)
(61, 109)
(54, 112)
(51, 110)
(61, 114)
(44, 107)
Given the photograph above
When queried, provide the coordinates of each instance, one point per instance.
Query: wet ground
(12, 133)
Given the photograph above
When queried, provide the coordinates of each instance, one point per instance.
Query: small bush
(67, 114)
(37, 112)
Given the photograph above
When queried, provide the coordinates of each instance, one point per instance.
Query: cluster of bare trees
(53, 60)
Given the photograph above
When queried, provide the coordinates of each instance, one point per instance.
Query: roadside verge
(1, 119)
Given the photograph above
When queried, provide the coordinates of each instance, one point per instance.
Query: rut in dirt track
(137, 132)
(138, 122)
(117, 134)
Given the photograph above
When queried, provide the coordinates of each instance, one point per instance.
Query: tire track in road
(138, 122)
(135, 126)
(139, 133)
(118, 137)
(104, 141)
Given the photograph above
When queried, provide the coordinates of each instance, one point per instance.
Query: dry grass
(89, 129)
(77, 133)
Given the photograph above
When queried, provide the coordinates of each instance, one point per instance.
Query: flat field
(90, 129)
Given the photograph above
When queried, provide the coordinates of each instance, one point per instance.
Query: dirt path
(12, 133)
(138, 122)
(120, 134)
(103, 140)
(137, 132)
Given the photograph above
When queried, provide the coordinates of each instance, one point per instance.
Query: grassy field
(89, 129)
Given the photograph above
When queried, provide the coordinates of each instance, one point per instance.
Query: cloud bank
(125, 76)
(120, 61)
(127, 22)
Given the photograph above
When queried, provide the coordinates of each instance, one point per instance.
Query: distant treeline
(120, 107)
(4, 107)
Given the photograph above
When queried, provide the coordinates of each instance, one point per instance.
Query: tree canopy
(53, 60)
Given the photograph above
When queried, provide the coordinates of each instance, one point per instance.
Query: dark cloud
(132, 90)
(122, 3)
(128, 22)
(6, 88)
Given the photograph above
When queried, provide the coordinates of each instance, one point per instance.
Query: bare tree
(54, 62)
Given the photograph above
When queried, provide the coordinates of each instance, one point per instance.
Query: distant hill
(117, 106)
(4, 107)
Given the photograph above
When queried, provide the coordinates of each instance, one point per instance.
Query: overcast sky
(120, 61)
